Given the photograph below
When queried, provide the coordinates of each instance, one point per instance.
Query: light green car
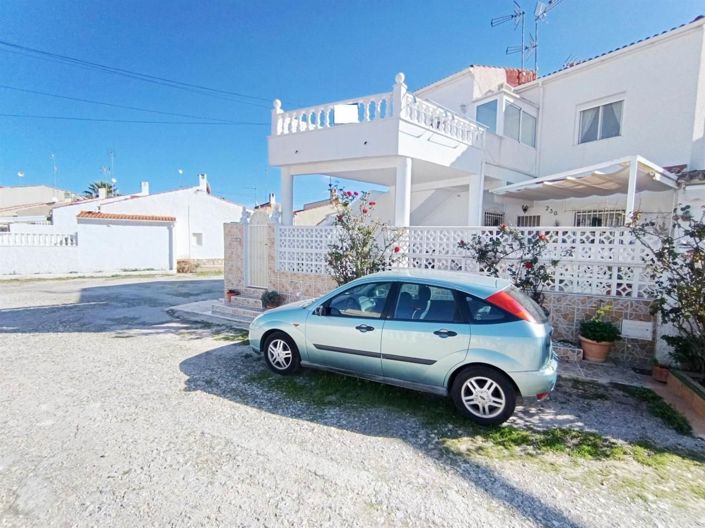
(475, 338)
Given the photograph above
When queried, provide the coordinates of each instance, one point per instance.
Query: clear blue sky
(303, 52)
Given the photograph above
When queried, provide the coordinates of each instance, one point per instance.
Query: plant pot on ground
(597, 336)
(230, 294)
(660, 372)
(271, 299)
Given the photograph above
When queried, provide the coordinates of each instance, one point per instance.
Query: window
(197, 239)
(366, 300)
(483, 312)
(601, 122)
(528, 221)
(601, 218)
(519, 125)
(418, 302)
(493, 219)
(486, 114)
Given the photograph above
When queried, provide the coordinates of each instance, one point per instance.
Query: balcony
(391, 124)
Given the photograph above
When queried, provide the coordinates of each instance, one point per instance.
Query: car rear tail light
(506, 302)
(542, 396)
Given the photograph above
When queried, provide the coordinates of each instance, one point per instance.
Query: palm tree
(93, 189)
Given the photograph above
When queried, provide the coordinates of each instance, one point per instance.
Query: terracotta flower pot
(595, 351)
(660, 373)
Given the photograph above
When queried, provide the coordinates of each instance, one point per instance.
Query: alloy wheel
(279, 354)
(483, 397)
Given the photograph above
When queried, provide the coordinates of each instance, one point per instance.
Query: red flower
(461, 243)
(339, 218)
(372, 204)
(397, 249)
(355, 193)
(365, 210)
(528, 265)
(502, 227)
(542, 236)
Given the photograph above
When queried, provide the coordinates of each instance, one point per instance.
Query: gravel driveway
(112, 413)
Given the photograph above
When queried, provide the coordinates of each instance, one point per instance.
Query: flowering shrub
(677, 263)
(523, 253)
(364, 244)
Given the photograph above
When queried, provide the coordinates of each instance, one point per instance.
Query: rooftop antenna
(540, 12)
(517, 17)
(54, 170)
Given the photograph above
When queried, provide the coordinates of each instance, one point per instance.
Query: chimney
(102, 193)
(145, 188)
(272, 200)
(203, 181)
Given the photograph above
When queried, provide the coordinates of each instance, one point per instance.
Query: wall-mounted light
(524, 208)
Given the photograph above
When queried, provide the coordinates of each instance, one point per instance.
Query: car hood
(291, 306)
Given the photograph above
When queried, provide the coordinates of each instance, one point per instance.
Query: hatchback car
(475, 338)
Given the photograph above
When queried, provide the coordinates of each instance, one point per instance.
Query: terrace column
(402, 194)
(476, 190)
(287, 196)
(631, 191)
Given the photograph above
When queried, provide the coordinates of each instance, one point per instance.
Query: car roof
(479, 285)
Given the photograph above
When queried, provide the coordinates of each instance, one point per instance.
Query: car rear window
(528, 303)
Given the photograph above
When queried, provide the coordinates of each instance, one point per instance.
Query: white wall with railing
(597, 261)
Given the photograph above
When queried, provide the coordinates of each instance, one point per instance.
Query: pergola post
(287, 192)
(402, 194)
(631, 190)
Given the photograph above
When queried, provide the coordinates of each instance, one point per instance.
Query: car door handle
(443, 333)
(364, 328)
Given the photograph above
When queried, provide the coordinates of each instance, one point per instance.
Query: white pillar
(287, 196)
(398, 94)
(631, 190)
(402, 194)
(476, 192)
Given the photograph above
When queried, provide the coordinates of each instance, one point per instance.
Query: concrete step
(233, 312)
(249, 291)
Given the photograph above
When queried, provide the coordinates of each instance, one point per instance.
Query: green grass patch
(658, 407)
(588, 390)
(238, 336)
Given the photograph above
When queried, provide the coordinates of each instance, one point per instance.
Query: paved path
(114, 414)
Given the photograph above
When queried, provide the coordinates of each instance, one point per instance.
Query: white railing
(369, 108)
(434, 116)
(39, 239)
(397, 103)
(599, 261)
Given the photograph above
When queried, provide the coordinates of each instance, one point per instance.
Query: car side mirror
(320, 310)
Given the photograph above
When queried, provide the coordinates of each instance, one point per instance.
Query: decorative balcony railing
(39, 239)
(397, 103)
(597, 261)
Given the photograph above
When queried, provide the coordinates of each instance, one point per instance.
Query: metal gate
(258, 250)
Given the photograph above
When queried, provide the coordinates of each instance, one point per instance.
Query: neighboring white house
(584, 146)
(131, 232)
(30, 204)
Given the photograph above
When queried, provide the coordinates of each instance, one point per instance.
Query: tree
(523, 255)
(676, 260)
(362, 244)
(93, 189)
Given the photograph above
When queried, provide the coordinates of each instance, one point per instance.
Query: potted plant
(597, 335)
(271, 299)
(230, 294)
(659, 371)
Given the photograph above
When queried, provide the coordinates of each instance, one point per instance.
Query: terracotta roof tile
(127, 217)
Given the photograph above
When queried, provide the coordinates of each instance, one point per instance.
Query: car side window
(482, 312)
(365, 300)
(420, 302)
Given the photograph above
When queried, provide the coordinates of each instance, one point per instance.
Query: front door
(346, 331)
(426, 334)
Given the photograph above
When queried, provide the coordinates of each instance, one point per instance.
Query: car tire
(484, 395)
(281, 354)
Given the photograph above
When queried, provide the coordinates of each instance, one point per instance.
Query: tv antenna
(540, 12)
(517, 17)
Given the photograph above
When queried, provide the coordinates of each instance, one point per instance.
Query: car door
(345, 332)
(425, 334)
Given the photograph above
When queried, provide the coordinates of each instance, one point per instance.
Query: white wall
(659, 83)
(31, 194)
(195, 212)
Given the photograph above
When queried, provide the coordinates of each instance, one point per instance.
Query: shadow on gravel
(228, 373)
(124, 307)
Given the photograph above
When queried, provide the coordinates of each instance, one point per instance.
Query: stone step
(246, 301)
(250, 291)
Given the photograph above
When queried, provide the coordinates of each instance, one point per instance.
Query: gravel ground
(115, 414)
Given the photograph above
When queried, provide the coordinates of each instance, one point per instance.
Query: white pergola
(627, 175)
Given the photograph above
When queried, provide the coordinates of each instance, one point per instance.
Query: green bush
(271, 298)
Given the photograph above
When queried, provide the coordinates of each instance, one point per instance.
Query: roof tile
(125, 217)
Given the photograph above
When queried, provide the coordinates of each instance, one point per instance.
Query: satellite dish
(20, 174)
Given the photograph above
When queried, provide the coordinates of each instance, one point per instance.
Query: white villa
(583, 146)
(574, 152)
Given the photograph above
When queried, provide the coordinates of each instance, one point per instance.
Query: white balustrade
(598, 261)
(433, 116)
(39, 239)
